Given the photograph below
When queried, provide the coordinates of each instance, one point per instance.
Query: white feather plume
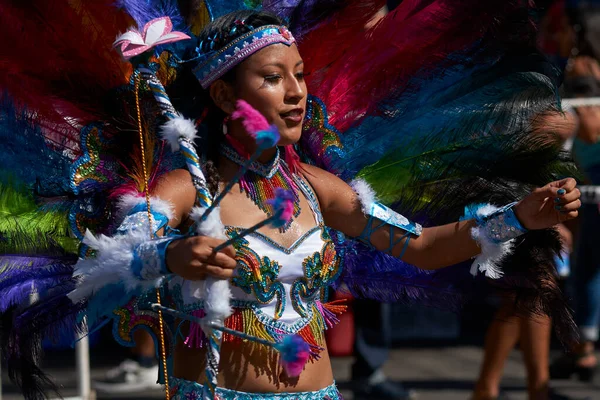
(177, 127)
(366, 195)
(127, 202)
(492, 254)
(216, 293)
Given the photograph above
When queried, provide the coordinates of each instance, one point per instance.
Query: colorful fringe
(244, 319)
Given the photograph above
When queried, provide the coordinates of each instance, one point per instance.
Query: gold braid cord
(147, 193)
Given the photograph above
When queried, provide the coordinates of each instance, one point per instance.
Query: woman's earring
(225, 121)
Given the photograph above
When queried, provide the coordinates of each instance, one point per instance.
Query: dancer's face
(272, 81)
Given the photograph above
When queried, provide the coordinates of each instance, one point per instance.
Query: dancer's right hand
(194, 258)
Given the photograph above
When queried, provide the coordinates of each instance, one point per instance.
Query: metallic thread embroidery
(258, 275)
(320, 270)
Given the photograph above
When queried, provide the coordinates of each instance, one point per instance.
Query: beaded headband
(219, 63)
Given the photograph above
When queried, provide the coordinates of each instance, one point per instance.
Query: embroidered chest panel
(258, 275)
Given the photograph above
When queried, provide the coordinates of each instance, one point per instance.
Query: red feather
(353, 69)
(58, 61)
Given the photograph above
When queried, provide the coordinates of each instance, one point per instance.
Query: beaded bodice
(284, 281)
(278, 289)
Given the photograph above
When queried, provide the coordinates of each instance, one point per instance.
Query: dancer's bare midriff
(246, 367)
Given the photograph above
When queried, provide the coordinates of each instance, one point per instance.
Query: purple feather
(303, 15)
(19, 294)
(24, 275)
(143, 11)
(373, 274)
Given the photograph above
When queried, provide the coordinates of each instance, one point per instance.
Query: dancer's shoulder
(177, 188)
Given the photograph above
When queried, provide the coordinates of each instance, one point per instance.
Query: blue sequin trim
(182, 389)
(138, 220)
(498, 226)
(265, 239)
(392, 218)
(388, 219)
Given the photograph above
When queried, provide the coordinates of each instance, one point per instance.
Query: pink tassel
(292, 159)
(294, 352)
(328, 316)
(195, 337)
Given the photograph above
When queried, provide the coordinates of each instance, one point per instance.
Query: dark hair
(192, 101)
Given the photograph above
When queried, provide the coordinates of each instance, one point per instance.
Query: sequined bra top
(278, 290)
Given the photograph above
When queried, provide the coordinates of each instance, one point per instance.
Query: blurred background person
(533, 332)
(583, 81)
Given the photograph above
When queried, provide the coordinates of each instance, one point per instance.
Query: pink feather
(253, 120)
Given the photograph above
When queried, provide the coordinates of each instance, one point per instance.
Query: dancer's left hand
(549, 205)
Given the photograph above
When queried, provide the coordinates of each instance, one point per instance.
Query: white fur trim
(366, 195)
(492, 254)
(112, 264)
(487, 210)
(217, 299)
(215, 292)
(212, 227)
(177, 127)
(127, 202)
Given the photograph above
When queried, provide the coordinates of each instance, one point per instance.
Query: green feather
(27, 227)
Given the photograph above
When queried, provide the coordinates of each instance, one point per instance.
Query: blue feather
(27, 157)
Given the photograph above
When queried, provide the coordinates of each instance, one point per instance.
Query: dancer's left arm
(439, 246)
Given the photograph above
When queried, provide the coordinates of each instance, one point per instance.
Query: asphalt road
(436, 373)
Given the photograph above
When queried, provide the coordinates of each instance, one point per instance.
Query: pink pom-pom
(294, 353)
(253, 120)
(283, 205)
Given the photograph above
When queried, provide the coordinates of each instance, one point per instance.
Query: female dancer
(272, 81)
(276, 249)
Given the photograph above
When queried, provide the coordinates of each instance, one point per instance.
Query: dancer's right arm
(191, 257)
(136, 259)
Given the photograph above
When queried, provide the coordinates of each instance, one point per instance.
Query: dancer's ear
(222, 94)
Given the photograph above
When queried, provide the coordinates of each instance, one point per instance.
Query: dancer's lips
(295, 115)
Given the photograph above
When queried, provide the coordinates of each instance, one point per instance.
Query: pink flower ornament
(156, 32)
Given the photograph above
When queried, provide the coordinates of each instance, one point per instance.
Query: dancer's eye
(274, 78)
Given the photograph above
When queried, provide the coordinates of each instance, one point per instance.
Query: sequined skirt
(187, 390)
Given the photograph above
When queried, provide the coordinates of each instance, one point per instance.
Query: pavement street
(446, 373)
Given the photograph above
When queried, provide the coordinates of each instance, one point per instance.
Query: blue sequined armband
(149, 258)
(138, 219)
(389, 218)
(498, 226)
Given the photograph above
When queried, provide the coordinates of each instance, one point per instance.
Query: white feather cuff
(365, 194)
(491, 256)
(495, 233)
(114, 264)
(128, 202)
